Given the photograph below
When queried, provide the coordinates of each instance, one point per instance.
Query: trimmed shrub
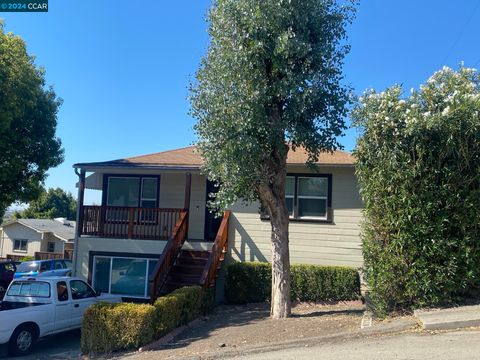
(249, 282)
(110, 327)
(418, 167)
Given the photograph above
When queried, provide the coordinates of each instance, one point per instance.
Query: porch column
(186, 205)
(188, 186)
(79, 219)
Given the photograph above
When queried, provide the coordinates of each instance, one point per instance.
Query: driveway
(61, 346)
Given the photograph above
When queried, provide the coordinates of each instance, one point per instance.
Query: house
(153, 222)
(30, 237)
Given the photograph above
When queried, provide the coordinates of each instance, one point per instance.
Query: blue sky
(122, 68)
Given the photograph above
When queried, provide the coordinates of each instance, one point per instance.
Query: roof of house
(189, 157)
(60, 228)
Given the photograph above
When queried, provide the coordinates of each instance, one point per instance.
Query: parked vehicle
(59, 272)
(7, 269)
(35, 307)
(33, 268)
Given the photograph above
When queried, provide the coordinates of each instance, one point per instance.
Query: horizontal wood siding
(337, 243)
(172, 192)
(19, 231)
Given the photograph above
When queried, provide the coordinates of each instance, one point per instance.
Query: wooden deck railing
(168, 257)
(217, 254)
(128, 222)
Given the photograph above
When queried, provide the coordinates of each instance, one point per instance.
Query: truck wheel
(22, 340)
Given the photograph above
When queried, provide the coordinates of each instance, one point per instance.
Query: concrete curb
(449, 318)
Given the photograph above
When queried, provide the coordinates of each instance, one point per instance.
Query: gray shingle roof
(66, 232)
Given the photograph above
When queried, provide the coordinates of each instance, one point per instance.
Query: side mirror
(98, 293)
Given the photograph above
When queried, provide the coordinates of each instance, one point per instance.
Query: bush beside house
(249, 282)
(418, 166)
(110, 327)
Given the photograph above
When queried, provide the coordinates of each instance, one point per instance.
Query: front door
(212, 223)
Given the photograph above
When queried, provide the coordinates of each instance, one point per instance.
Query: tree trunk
(281, 305)
(272, 195)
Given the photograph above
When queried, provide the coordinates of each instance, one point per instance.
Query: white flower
(446, 111)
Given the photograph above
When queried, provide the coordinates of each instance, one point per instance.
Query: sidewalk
(238, 330)
(449, 318)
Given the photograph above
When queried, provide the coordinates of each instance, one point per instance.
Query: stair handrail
(217, 253)
(168, 257)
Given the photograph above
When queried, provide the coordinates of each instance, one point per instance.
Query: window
(312, 194)
(62, 291)
(50, 246)
(20, 245)
(122, 275)
(81, 290)
(29, 289)
(123, 191)
(132, 191)
(308, 197)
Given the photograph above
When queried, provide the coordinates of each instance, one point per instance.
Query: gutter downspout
(81, 184)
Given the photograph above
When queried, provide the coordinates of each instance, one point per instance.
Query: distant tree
(271, 80)
(51, 204)
(28, 120)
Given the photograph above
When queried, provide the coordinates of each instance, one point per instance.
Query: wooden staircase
(187, 270)
(178, 267)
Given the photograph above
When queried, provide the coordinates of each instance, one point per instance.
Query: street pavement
(407, 346)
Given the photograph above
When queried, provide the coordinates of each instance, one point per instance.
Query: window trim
(20, 249)
(310, 219)
(111, 255)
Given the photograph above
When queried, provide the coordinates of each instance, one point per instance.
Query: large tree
(28, 120)
(270, 81)
(51, 203)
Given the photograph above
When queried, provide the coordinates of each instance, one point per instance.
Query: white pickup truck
(36, 307)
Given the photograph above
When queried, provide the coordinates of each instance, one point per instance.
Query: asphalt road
(60, 346)
(442, 346)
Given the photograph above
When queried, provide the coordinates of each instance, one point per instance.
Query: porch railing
(217, 254)
(129, 222)
(168, 257)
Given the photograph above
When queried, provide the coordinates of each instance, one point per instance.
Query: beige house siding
(125, 246)
(18, 231)
(172, 192)
(49, 237)
(337, 243)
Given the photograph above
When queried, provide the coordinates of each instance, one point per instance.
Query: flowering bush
(419, 174)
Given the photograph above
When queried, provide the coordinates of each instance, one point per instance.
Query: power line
(464, 27)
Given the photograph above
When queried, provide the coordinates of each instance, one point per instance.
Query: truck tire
(22, 340)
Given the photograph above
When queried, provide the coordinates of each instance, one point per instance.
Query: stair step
(201, 262)
(195, 254)
(187, 278)
(188, 268)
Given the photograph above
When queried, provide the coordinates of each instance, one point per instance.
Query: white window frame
(312, 197)
(146, 295)
(20, 242)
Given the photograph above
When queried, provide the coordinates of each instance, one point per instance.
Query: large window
(308, 197)
(132, 191)
(20, 245)
(122, 275)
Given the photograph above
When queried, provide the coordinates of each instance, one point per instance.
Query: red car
(7, 269)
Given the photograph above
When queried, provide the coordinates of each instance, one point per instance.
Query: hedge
(418, 168)
(249, 282)
(108, 327)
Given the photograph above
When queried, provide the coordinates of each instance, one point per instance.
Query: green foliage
(27, 258)
(419, 173)
(51, 204)
(111, 327)
(250, 282)
(28, 120)
(271, 76)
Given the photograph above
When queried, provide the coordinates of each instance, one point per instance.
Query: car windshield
(28, 266)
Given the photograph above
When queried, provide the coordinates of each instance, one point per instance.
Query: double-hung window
(20, 245)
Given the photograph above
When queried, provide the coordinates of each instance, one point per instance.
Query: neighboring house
(143, 201)
(26, 237)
